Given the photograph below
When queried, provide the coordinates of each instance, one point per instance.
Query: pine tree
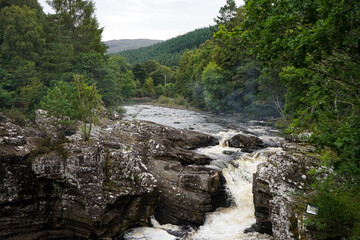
(77, 19)
(227, 14)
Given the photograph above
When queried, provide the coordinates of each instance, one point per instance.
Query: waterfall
(237, 168)
(231, 223)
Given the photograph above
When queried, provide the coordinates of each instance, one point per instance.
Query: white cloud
(154, 19)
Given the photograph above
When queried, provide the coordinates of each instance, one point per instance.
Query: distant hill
(168, 52)
(127, 44)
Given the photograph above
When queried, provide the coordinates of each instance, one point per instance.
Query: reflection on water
(237, 167)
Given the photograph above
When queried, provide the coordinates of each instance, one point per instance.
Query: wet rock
(187, 193)
(128, 172)
(275, 183)
(187, 189)
(227, 152)
(248, 143)
(249, 230)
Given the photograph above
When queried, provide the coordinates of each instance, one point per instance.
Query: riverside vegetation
(296, 60)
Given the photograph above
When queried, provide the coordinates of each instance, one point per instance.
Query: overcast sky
(153, 19)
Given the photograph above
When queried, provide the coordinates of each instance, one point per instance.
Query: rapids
(237, 168)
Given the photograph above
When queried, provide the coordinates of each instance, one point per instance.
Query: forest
(296, 60)
(168, 53)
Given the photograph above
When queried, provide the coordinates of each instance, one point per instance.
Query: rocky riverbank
(279, 185)
(89, 190)
(131, 170)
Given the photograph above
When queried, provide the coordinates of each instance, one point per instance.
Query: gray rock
(275, 185)
(128, 172)
(247, 143)
(17, 141)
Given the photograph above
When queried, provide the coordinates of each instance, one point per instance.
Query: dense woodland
(299, 60)
(168, 53)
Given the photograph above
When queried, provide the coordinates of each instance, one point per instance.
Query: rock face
(277, 210)
(247, 143)
(78, 190)
(187, 189)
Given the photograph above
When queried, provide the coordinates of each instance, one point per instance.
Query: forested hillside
(298, 60)
(115, 46)
(312, 49)
(222, 75)
(169, 52)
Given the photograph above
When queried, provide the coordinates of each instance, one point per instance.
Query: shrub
(339, 210)
(180, 100)
(164, 100)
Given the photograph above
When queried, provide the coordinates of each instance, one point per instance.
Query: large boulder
(247, 143)
(98, 189)
(188, 189)
(79, 191)
(276, 185)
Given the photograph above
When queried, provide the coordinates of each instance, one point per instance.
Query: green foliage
(314, 46)
(170, 90)
(149, 87)
(339, 210)
(152, 79)
(16, 115)
(31, 94)
(159, 90)
(91, 64)
(164, 100)
(139, 72)
(177, 101)
(22, 36)
(8, 88)
(235, 84)
(77, 20)
(62, 103)
(169, 52)
(214, 91)
(180, 100)
(38, 51)
(89, 104)
(227, 14)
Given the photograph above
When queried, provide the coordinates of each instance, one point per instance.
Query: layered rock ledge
(278, 185)
(98, 189)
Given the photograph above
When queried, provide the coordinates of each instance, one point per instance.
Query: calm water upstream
(238, 168)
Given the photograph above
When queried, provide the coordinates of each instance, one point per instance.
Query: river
(237, 168)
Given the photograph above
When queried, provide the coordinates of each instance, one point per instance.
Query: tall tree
(227, 14)
(89, 102)
(22, 39)
(77, 18)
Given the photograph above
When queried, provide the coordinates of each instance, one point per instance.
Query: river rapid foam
(237, 167)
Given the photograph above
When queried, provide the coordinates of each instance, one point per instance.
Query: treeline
(39, 52)
(301, 59)
(169, 52)
(222, 75)
(312, 49)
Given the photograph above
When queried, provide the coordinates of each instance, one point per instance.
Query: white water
(230, 223)
(237, 168)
